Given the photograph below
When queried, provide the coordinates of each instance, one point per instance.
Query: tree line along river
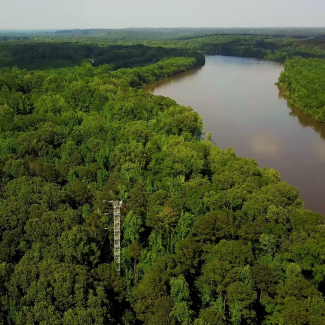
(242, 109)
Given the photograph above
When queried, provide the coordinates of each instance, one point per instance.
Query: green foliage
(30, 54)
(302, 83)
(246, 45)
(181, 296)
(207, 237)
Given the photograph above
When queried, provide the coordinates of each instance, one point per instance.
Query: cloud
(266, 145)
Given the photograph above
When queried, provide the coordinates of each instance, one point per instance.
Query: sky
(70, 14)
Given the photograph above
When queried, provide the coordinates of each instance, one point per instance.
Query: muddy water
(241, 108)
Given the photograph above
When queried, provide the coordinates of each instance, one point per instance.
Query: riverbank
(302, 83)
(241, 107)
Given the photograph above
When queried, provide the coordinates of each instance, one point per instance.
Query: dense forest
(303, 84)
(43, 55)
(207, 237)
(270, 48)
(54, 51)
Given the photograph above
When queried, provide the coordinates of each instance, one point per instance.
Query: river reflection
(242, 108)
(266, 145)
(307, 121)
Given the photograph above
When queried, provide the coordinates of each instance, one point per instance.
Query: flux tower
(117, 232)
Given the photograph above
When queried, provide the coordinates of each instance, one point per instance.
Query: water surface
(241, 107)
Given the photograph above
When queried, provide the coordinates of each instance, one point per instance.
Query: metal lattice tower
(117, 232)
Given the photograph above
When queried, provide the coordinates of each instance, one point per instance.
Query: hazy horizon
(148, 27)
(121, 14)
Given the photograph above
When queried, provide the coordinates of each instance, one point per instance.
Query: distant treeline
(129, 34)
(37, 55)
(270, 48)
(127, 52)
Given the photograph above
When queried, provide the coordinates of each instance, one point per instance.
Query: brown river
(242, 109)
